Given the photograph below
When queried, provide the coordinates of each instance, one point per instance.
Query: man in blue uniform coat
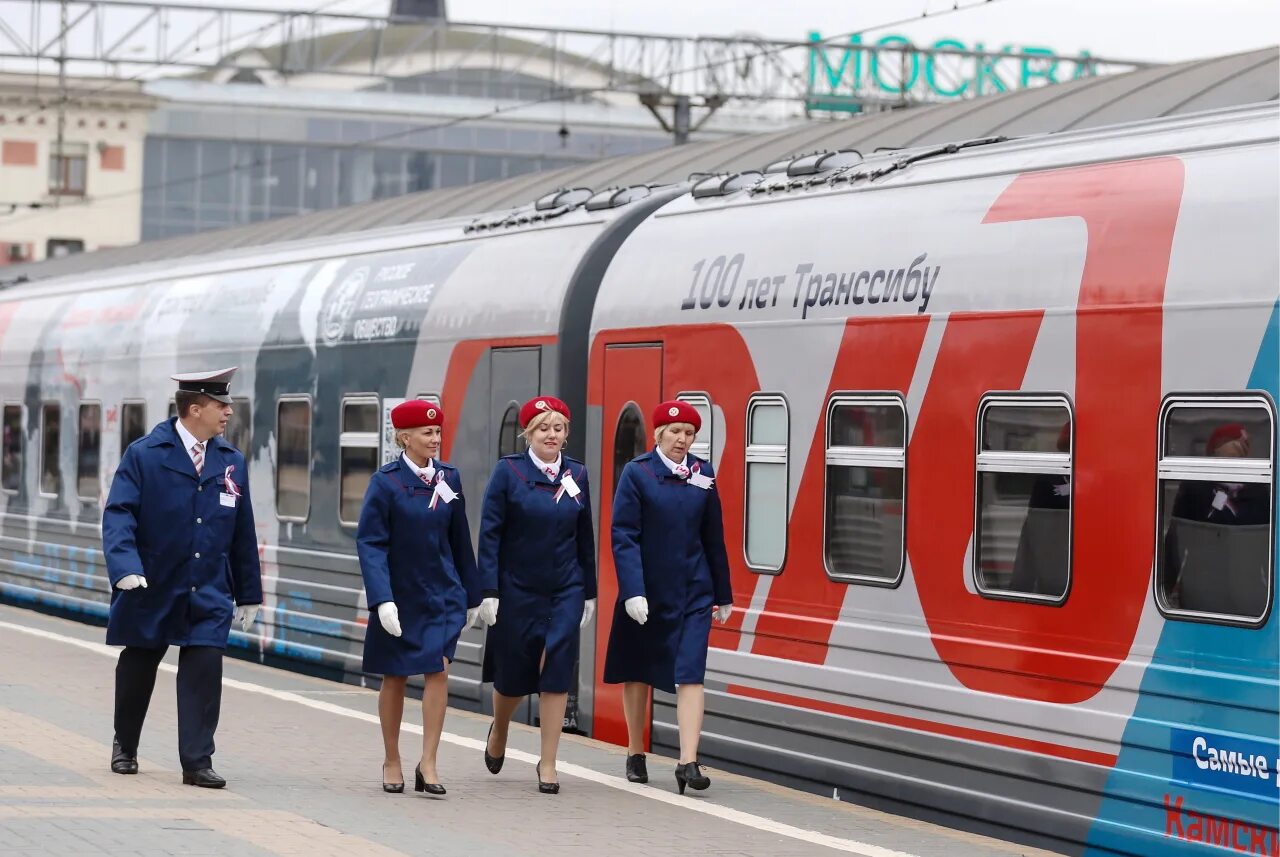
(182, 556)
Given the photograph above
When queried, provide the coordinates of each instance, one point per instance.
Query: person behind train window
(420, 579)
(537, 560)
(1201, 545)
(673, 574)
(182, 557)
(1040, 564)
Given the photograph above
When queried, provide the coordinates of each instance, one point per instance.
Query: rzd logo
(342, 305)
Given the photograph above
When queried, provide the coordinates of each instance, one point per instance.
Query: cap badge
(673, 412)
(431, 413)
(540, 405)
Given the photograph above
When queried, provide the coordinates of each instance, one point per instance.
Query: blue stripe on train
(1219, 784)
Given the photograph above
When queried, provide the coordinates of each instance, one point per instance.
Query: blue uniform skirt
(528, 625)
(421, 649)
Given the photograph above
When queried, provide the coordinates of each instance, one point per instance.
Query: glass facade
(194, 179)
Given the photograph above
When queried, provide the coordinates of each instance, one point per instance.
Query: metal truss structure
(135, 39)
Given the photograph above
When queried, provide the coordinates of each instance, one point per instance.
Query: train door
(632, 387)
(514, 377)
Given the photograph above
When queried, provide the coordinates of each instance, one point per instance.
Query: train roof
(1149, 93)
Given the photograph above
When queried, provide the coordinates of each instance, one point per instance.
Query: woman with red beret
(673, 574)
(537, 561)
(420, 579)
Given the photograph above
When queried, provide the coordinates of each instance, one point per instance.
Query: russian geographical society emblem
(342, 305)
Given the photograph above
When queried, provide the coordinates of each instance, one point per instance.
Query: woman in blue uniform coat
(537, 559)
(420, 579)
(673, 573)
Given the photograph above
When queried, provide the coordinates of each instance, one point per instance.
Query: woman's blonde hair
(539, 420)
(399, 437)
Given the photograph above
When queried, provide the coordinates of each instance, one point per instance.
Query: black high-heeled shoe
(689, 774)
(637, 771)
(493, 763)
(543, 786)
(391, 788)
(420, 783)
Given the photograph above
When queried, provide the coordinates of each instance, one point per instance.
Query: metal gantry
(136, 40)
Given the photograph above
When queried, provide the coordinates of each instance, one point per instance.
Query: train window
(89, 451)
(359, 454)
(433, 398)
(866, 477)
(293, 459)
(133, 423)
(1214, 506)
(50, 437)
(238, 427)
(765, 530)
(629, 439)
(509, 432)
(11, 450)
(1022, 531)
(703, 445)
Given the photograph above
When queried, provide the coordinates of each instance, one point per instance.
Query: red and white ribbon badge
(435, 492)
(228, 484)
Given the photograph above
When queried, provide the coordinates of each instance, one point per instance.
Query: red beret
(533, 407)
(416, 413)
(676, 412)
(1225, 434)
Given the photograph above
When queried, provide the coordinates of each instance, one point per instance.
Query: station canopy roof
(1149, 93)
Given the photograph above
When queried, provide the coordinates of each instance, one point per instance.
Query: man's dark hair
(184, 399)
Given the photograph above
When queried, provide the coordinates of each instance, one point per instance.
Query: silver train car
(892, 354)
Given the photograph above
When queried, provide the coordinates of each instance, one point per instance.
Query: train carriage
(994, 425)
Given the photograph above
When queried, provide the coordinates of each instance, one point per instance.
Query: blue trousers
(199, 699)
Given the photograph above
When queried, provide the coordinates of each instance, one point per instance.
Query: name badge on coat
(570, 487)
(443, 493)
(228, 500)
(697, 480)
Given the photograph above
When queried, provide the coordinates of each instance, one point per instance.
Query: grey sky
(1156, 30)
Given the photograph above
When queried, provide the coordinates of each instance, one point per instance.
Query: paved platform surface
(303, 760)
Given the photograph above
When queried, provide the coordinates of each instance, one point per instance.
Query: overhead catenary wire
(558, 93)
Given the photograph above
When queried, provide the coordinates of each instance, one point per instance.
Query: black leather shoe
(391, 788)
(205, 778)
(122, 762)
(543, 786)
(637, 771)
(493, 763)
(689, 774)
(420, 783)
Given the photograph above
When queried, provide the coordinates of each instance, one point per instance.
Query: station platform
(302, 757)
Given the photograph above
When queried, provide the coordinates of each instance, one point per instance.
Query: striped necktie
(197, 457)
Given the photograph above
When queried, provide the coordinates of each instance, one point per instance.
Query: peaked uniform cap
(541, 404)
(216, 385)
(676, 412)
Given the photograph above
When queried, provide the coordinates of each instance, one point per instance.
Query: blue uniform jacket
(537, 554)
(420, 558)
(528, 539)
(668, 545)
(193, 540)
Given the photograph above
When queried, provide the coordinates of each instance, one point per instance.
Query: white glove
(131, 581)
(489, 611)
(588, 610)
(473, 613)
(723, 612)
(245, 614)
(389, 616)
(637, 607)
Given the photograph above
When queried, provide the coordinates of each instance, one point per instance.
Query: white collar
(188, 439)
(671, 465)
(542, 465)
(429, 470)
